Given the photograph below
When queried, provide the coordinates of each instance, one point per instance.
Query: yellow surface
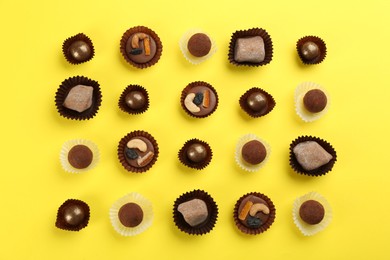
(33, 184)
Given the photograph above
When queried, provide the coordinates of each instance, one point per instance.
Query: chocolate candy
(310, 155)
(72, 215)
(257, 101)
(80, 156)
(141, 48)
(310, 50)
(197, 153)
(194, 93)
(194, 211)
(79, 98)
(249, 49)
(130, 215)
(315, 100)
(199, 45)
(80, 51)
(312, 212)
(253, 152)
(136, 100)
(257, 219)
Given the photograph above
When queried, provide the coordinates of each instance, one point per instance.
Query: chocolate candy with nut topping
(209, 101)
(260, 215)
(141, 48)
(199, 45)
(312, 212)
(80, 156)
(249, 49)
(130, 215)
(253, 152)
(315, 100)
(144, 149)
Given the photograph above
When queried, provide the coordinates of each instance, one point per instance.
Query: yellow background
(33, 184)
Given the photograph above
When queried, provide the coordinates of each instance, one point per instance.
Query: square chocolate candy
(250, 49)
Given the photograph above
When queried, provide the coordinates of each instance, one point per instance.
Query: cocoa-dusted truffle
(256, 102)
(312, 212)
(72, 215)
(315, 100)
(311, 49)
(80, 156)
(130, 214)
(253, 152)
(195, 154)
(78, 49)
(199, 45)
(141, 47)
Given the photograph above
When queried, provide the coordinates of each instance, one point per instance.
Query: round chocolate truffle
(80, 156)
(130, 215)
(315, 100)
(312, 212)
(257, 101)
(199, 45)
(253, 152)
(310, 50)
(196, 153)
(136, 100)
(74, 215)
(80, 51)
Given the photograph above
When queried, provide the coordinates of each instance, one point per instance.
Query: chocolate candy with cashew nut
(252, 208)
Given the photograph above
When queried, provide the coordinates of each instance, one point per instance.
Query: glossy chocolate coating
(141, 58)
(257, 101)
(130, 215)
(199, 45)
(196, 153)
(213, 100)
(315, 100)
(135, 100)
(310, 50)
(253, 152)
(80, 156)
(80, 51)
(312, 212)
(74, 215)
(150, 148)
(260, 215)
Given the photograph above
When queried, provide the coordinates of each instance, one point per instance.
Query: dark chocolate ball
(130, 215)
(312, 212)
(80, 156)
(257, 101)
(310, 50)
(199, 45)
(80, 51)
(196, 153)
(253, 152)
(315, 100)
(74, 215)
(135, 100)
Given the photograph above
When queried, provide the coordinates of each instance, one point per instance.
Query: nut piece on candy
(310, 155)
(194, 211)
(79, 98)
(249, 50)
